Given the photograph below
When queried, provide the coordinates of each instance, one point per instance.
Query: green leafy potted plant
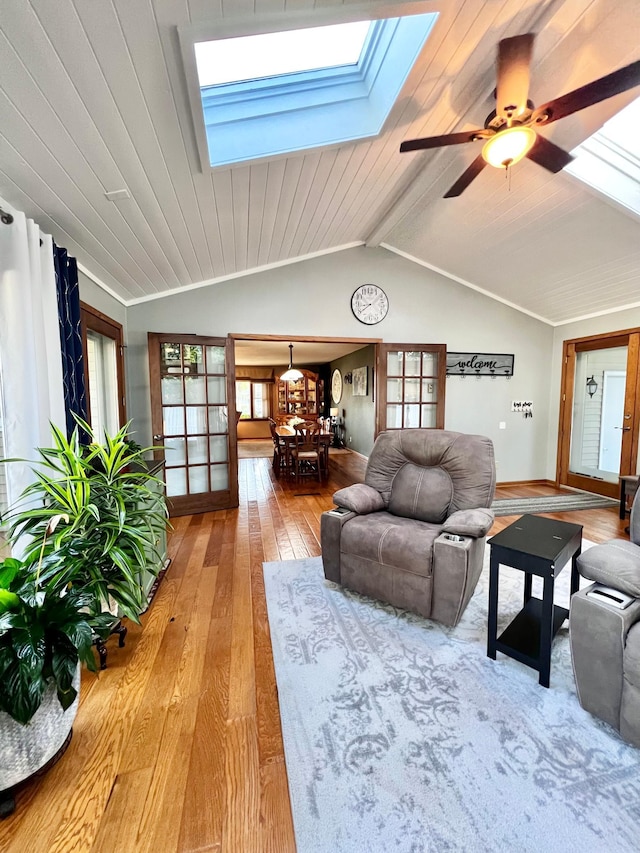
(46, 632)
(86, 529)
(114, 517)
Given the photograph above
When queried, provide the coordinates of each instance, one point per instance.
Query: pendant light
(291, 374)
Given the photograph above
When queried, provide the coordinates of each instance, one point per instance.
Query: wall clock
(369, 304)
(336, 385)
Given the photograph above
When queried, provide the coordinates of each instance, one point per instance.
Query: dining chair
(279, 449)
(306, 454)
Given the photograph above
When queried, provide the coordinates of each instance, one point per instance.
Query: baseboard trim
(356, 453)
(551, 483)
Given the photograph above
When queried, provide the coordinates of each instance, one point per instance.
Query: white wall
(313, 298)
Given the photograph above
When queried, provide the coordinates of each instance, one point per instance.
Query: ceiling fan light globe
(508, 146)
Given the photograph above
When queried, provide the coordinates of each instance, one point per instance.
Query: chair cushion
(390, 540)
(421, 492)
(467, 459)
(616, 564)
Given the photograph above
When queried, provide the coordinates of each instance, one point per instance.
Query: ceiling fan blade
(514, 61)
(438, 141)
(466, 177)
(549, 155)
(594, 92)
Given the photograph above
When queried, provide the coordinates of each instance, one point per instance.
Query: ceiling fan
(510, 130)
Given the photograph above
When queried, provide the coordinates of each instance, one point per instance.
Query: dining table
(288, 436)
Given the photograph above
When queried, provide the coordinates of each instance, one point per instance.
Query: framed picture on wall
(360, 381)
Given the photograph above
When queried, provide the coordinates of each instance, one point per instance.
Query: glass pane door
(103, 349)
(102, 371)
(599, 420)
(411, 382)
(191, 410)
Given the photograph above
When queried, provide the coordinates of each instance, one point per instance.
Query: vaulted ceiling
(93, 99)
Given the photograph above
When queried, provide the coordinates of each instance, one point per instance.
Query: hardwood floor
(177, 744)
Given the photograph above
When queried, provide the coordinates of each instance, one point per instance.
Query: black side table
(628, 488)
(537, 546)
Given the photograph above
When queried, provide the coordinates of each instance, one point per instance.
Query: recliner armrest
(469, 522)
(360, 498)
(331, 524)
(615, 563)
(597, 635)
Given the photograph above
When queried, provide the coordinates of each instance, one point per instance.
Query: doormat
(552, 503)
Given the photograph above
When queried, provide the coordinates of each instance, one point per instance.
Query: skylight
(609, 160)
(268, 95)
(271, 54)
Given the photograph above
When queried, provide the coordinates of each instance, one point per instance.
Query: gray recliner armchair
(413, 533)
(605, 638)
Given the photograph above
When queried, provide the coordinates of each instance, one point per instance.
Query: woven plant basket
(25, 749)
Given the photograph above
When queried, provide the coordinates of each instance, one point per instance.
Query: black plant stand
(99, 643)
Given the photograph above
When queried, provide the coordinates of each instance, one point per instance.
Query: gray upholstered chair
(605, 640)
(413, 533)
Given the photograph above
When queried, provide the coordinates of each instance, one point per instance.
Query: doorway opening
(600, 412)
(260, 360)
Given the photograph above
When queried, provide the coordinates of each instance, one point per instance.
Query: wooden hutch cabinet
(304, 397)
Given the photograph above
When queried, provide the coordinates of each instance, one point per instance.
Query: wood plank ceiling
(93, 98)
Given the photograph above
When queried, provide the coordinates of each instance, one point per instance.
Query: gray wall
(313, 298)
(359, 417)
(98, 298)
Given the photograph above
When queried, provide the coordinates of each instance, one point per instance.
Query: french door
(599, 412)
(192, 381)
(411, 380)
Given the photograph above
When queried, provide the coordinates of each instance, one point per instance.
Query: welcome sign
(479, 364)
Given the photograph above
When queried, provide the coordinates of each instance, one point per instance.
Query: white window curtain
(30, 356)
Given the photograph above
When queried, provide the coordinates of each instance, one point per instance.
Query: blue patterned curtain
(75, 398)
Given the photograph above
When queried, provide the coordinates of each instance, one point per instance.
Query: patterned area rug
(552, 503)
(401, 735)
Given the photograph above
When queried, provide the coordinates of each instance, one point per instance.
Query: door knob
(157, 438)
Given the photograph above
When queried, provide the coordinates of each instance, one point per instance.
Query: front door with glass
(599, 420)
